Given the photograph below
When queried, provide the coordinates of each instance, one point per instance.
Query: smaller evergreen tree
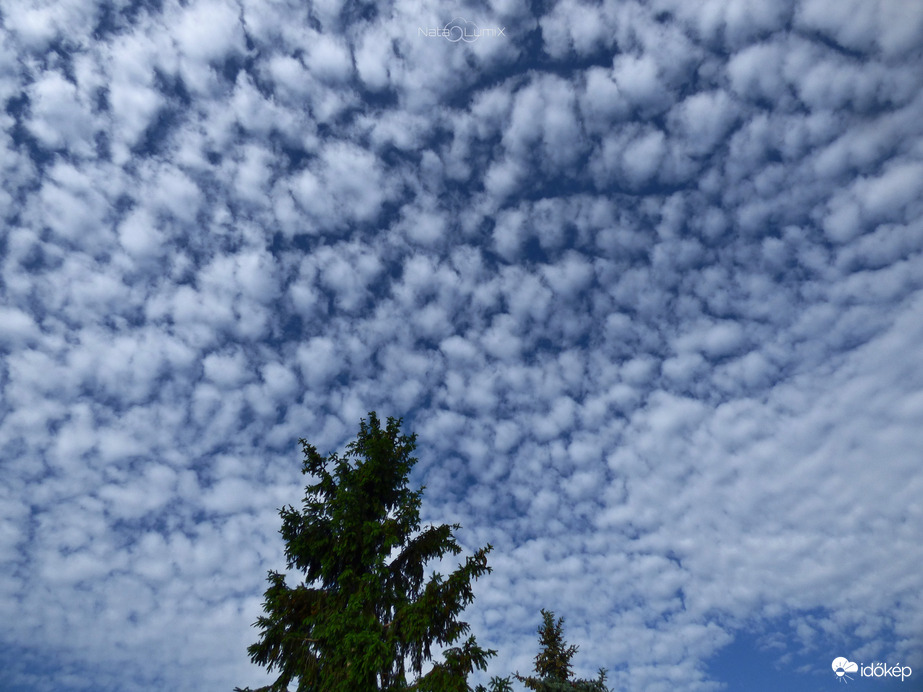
(497, 684)
(552, 664)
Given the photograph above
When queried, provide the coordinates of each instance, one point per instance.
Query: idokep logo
(842, 666)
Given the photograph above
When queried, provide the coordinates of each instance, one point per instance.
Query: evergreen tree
(497, 684)
(365, 613)
(552, 664)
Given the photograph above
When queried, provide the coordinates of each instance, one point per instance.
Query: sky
(645, 278)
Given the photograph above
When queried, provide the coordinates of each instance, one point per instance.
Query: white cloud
(732, 23)
(318, 361)
(638, 80)
(133, 98)
(347, 186)
(208, 30)
(139, 235)
(73, 206)
(890, 26)
(704, 120)
(18, 326)
(227, 370)
(329, 58)
(371, 61)
(59, 117)
(756, 71)
(575, 27)
(36, 25)
(642, 157)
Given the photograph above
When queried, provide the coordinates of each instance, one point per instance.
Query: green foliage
(366, 613)
(553, 661)
(552, 664)
(497, 684)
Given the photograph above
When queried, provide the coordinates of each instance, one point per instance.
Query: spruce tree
(366, 614)
(552, 664)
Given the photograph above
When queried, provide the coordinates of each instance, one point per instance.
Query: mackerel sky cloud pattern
(645, 277)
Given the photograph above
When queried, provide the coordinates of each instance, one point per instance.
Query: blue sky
(645, 278)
